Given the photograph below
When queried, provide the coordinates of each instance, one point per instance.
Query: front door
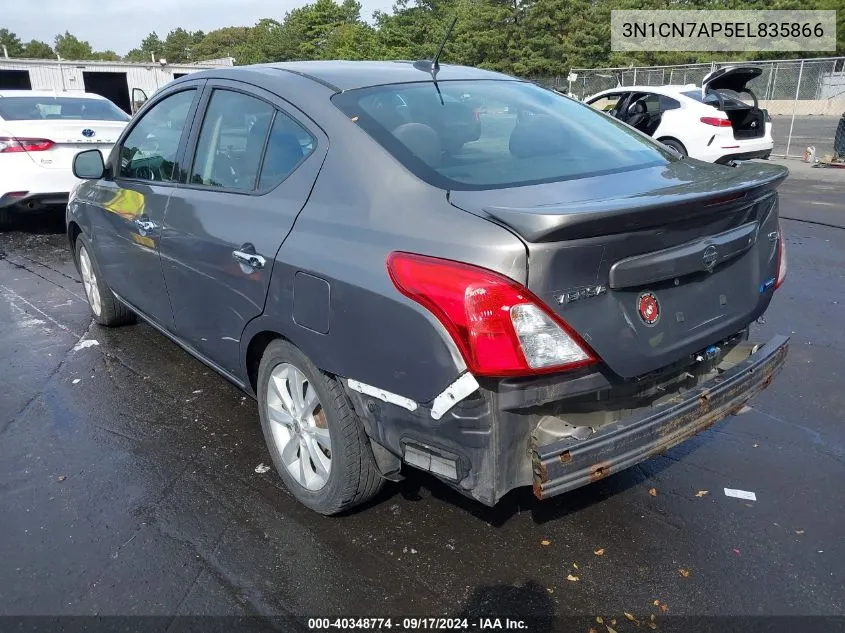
(255, 162)
(131, 205)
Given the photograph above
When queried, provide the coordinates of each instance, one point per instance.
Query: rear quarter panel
(364, 206)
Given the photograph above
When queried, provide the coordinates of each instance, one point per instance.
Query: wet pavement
(128, 485)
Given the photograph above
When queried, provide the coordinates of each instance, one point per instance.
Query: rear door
(255, 160)
(128, 208)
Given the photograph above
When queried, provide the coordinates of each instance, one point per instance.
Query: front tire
(316, 441)
(105, 308)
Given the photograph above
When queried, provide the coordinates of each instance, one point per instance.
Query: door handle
(145, 225)
(249, 259)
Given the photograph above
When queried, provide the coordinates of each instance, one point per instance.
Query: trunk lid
(69, 138)
(648, 266)
(733, 78)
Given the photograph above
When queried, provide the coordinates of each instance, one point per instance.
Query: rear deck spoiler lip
(575, 220)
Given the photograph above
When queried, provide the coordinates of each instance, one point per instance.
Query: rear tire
(676, 145)
(105, 308)
(5, 219)
(317, 443)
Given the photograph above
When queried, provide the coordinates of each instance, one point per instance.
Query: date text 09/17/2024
(417, 623)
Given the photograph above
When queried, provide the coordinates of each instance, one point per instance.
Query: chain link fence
(805, 97)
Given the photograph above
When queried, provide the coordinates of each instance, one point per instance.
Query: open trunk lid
(648, 266)
(733, 78)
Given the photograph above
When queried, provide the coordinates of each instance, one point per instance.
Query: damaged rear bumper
(568, 464)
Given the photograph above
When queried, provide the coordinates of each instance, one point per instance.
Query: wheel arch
(668, 137)
(258, 342)
(73, 231)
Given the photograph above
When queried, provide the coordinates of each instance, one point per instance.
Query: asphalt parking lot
(817, 131)
(128, 483)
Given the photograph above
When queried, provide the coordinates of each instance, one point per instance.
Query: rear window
(488, 134)
(59, 108)
(729, 98)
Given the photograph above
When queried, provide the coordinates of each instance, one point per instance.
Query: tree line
(530, 38)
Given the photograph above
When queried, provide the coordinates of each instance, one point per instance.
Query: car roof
(349, 75)
(50, 93)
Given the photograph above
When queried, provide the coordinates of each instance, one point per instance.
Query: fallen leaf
(545, 542)
(61, 477)
(599, 619)
(664, 607)
(799, 531)
(652, 618)
(575, 565)
(701, 493)
(572, 578)
(652, 625)
(653, 492)
(629, 616)
(550, 590)
(656, 603)
(736, 551)
(260, 469)
(599, 552)
(610, 629)
(684, 572)
(613, 622)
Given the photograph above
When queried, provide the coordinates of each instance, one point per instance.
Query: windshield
(488, 134)
(59, 108)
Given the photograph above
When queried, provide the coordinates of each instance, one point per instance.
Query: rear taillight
(500, 328)
(10, 144)
(715, 121)
(781, 260)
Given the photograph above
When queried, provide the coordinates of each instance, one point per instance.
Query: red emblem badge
(648, 308)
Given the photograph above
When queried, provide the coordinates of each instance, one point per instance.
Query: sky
(121, 25)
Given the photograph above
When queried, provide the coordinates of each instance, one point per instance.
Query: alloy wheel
(299, 426)
(89, 281)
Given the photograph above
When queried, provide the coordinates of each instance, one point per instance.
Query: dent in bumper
(569, 464)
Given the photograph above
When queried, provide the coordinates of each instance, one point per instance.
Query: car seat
(284, 153)
(637, 116)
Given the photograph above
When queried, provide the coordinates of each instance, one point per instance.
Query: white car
(40, 133)
(718, 122)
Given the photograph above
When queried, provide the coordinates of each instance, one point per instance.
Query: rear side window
(245, 143)
(59, 108)
(231, 141)
(289, 145)
(488, 134)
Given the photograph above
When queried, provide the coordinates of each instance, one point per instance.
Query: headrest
(538, 135)
(422, 141)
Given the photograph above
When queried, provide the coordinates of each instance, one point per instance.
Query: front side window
(232, 141)
(487, 134)
(606, 103)
(59, 108)
(149, 151)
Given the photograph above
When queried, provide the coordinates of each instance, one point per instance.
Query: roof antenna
(434, 65)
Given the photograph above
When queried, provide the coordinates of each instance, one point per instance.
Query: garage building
(121, 82)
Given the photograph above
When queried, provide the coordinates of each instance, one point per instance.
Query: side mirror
(89, 165)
